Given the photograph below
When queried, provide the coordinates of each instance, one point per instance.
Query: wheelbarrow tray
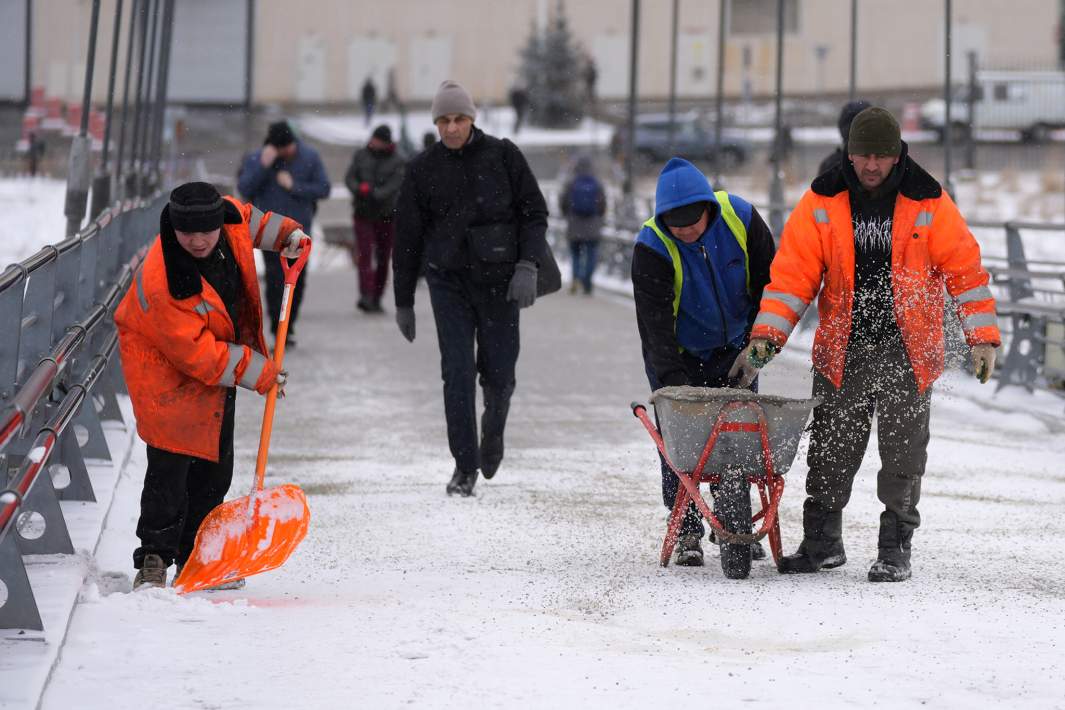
(686, 416)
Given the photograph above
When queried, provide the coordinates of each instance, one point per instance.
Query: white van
(1032, 102)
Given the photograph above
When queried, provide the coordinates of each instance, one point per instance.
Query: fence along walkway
(59, 378)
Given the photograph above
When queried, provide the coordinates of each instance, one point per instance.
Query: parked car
(1031, 102)
(693, 139)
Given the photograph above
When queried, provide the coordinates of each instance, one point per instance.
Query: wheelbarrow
(730, 439)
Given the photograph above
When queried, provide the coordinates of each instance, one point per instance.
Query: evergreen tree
(551, 69)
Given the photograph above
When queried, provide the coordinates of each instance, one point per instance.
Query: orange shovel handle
(291, 273)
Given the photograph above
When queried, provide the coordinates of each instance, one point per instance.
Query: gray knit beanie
(452, 98)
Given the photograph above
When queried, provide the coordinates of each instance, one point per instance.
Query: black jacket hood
(182, 276)
(914, 183)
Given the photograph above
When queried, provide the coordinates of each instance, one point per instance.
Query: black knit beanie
(279, 135)
(196, 207)
(383, 133)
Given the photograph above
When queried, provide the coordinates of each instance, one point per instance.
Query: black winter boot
(689, 551)
(893, 556)
(462, 482)
(493, 422)
(822, 542)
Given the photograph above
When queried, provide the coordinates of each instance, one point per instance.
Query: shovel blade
(245, 536)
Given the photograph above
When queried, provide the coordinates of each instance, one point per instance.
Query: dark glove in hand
(523, 284)
(405, 321)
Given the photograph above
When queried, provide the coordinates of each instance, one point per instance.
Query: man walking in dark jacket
(285, 176)
(472, 215)
(717, 249)
(374, 177)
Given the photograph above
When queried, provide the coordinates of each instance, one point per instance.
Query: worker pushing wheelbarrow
(730, 439)
(699, 267)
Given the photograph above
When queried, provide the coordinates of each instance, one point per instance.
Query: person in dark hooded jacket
(374, 177)
(718, 249)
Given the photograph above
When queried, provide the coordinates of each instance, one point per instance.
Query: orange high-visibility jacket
(179, 351)
(931, 248)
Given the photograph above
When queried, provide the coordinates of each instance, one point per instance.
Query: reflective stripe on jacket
(180, 354)
(932, 248)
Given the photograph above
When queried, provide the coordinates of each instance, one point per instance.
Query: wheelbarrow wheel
(732, 507)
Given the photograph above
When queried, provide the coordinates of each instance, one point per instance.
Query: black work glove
(405, 321)
(523, 284)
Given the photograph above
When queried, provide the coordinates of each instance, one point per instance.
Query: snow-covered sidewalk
(544, 590)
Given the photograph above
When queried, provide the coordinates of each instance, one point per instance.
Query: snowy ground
(544, 590)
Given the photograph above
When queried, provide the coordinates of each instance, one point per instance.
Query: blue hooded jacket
(715, 308)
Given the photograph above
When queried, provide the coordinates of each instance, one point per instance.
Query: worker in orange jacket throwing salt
(877, 239)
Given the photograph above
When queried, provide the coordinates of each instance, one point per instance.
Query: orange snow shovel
(258, 532)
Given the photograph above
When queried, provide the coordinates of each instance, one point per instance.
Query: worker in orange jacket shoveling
(190, 331)
(879, 239)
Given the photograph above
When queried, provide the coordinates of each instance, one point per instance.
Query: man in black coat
(471, 215)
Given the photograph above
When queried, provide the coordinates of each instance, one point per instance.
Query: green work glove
(760, 352)
(983, 362)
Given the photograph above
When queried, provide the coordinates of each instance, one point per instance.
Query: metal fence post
(101, 184)
(81, 148)
(20, 609)
(719, 99)
(630, 130)
(776, 187)
(55, 538)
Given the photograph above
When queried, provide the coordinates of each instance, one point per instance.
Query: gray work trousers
(876, 380)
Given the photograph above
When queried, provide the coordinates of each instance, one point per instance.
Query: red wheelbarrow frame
(770, 485)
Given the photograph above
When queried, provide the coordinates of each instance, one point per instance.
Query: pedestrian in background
(846, 116)
(285, 176)
(519, 100)
(583, 203)
(880, 240)
(471, 213)
(373, 178)
(369, 99)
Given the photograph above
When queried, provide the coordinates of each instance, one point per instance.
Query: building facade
(322, 51)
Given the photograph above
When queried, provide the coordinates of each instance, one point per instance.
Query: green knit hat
(874, 131)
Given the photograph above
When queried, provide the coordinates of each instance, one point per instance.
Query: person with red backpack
(583, 202)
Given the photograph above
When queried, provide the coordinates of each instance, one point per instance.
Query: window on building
(757, 17)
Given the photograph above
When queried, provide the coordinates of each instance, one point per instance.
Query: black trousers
(179, 492)
(876, 380)
(275, 289)
(712, 372)
(477, 329)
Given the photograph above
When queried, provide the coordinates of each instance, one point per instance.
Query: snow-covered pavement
(544, 590)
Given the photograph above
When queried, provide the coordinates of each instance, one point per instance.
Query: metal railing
(1029, 293)
(59, 378)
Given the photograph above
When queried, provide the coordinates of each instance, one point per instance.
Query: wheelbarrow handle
(636, 407)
